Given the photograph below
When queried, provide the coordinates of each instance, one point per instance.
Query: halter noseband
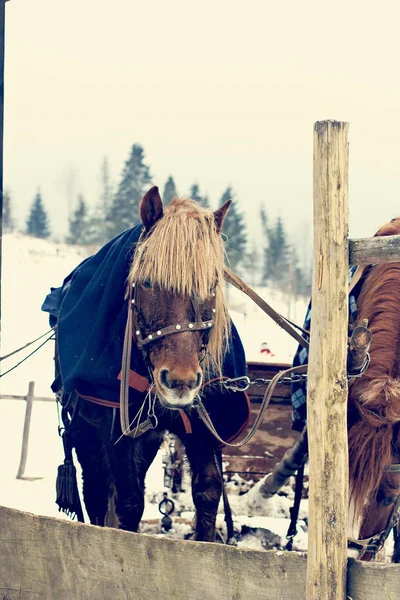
(145, 340)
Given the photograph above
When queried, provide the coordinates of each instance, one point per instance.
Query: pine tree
(235, 230)
(135, 180)
(252, 265)
(277, 255)
(8, 219)
(97, 226)
(37, 223)
(106, 187)
(264, 228)
(169, 191)
(78, 224)
(195, 195)
(264, 220)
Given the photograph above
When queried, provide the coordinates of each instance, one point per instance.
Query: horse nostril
(164, 378)
(198, 379)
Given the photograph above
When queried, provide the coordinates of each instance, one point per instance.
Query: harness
(143, 341)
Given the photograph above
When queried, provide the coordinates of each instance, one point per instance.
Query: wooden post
(327, 380)
(27, 423)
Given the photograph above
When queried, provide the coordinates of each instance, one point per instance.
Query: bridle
(133, 332)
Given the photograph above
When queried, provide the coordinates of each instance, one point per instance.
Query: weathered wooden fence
(30, 398)
(52, 559)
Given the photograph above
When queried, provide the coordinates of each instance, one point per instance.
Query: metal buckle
(237, 384)
(361, 372)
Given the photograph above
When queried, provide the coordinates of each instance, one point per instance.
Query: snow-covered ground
(30, 267)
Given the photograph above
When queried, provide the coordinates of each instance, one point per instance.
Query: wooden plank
(36, 398)
(372, 581)
(369, 251)
(270, 442)
(48, 558)
(327, 381)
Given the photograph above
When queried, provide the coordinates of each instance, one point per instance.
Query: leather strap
(125, 374)
(136, 381)
(186, 421)
(236, 281)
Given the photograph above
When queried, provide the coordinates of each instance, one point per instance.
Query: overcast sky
(219, 92)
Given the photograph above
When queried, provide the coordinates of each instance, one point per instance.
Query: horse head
(181, 322)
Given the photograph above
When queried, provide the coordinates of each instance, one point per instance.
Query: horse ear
(220, 214)
(151, 208)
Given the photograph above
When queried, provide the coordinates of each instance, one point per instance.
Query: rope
(26, 345)
(26, 357)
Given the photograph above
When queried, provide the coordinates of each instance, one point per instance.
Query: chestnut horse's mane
(374, 399)
(185, 255)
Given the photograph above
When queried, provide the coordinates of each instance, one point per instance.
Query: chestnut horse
(373, 418)
(374, 407)
(181, 334)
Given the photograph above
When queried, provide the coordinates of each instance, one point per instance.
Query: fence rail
(30, 398)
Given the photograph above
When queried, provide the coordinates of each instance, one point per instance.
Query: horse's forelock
(185, 255)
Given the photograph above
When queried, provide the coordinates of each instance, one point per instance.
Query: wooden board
(49, 559)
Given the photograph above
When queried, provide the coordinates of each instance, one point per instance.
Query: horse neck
(374, 399)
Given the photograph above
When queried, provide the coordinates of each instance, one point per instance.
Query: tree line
(273, 261)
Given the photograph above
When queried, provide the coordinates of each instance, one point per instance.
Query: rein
(238, 283)
(205, 417)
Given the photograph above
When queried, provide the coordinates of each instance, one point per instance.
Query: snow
(30, 267)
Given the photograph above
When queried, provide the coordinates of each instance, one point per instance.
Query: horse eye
(146, 283)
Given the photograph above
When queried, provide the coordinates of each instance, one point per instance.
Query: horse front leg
(206, 489)
(134, 457)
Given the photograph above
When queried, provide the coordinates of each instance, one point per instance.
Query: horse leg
(95, 474)
(206, 488)
(134, 457)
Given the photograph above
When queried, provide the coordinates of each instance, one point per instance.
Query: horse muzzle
(177, 390)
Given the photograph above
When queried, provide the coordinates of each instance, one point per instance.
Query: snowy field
(31, 266)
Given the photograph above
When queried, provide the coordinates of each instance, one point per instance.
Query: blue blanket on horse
(90, 312)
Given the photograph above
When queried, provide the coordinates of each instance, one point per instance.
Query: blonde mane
(184, 254)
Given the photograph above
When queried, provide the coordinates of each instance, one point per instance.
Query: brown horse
(181, 333)
(373, 419)
(374, 406)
